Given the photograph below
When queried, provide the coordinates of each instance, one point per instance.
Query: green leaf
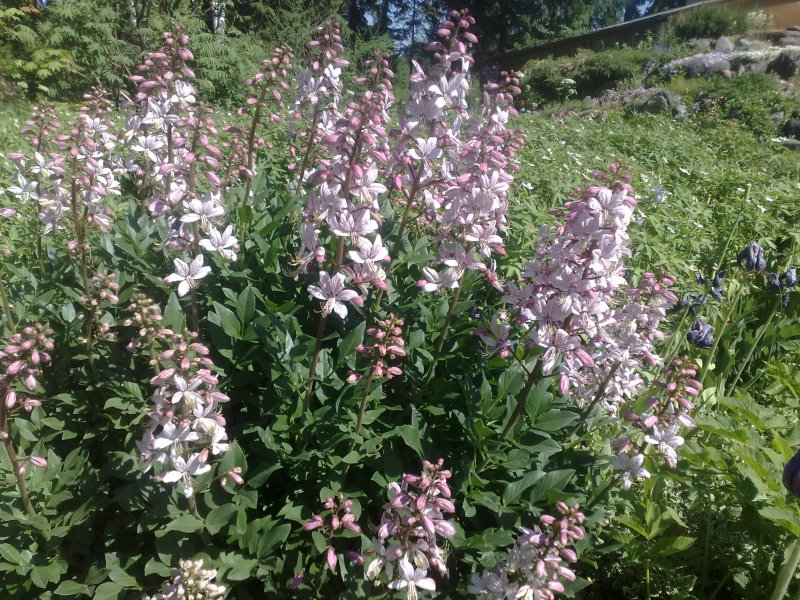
(11, 554)
(554, 420)
(350, 341)
(68, 311)
(554, 481)
(225, 318)
(173, 314)
(71, 588)
(219, 517)
(109, 591)
(184, 524)
(411, 437)
(671, 545)
(514, 490)
(246, 305)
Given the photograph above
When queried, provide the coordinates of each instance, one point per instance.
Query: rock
(724, 44)
(759, 67)
(746, 44)
(791, 129)
(658, 101)
(791, 144)
(786, 64)
(701, 44)
(794, 28)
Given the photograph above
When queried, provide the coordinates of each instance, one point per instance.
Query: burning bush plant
(295, 354)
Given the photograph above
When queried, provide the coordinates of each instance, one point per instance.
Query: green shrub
(750, 99)
(710, 21)
(593, 72)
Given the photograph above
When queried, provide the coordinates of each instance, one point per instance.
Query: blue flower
(753, 258)
(717, 293)
(701, 335)
(719, 277)
(699, 277)
(774, 283)
(789, 278)
(791, 475)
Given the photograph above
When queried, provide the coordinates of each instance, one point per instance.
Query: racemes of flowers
(20, 364)
(538, 561)
(190, 582)
(338, 519)
(268, 86)
(574, 302)
(186, 426)
(465, 199)
(170, 138)
(407, 544)
(342, 207)
(660, 424)
(387, 345)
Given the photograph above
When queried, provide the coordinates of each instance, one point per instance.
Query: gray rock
(789, 41)
(659, 101)
(724, 44)
(759, 67)
(794, 28)
(791, 129)
(746, 44)
(786, 64)
(701, 44)
(791, 144)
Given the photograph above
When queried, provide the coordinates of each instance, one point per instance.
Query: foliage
(710, 21)
(337, 410)
(592, 71)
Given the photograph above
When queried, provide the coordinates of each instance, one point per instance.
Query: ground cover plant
(343, 346)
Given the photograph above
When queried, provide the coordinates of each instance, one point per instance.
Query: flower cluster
(406, 544)
(267, 86)
(190, 582)
(660, 424)
(343, 197)
(467, 202)
(171, 136)
(186, 426)
(387, 345)
(571, 300)
(339, 517)
(146, 317)
(536, 564)
(20, 363)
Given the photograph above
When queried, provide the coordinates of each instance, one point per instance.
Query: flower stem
(787, 572)
(443, 335)
(604, 492)
(12, 455)
(533, 377)
(755, 343)
(597, 397)
(6, 306)
(251, 137)
(362, 408)
(314, 360)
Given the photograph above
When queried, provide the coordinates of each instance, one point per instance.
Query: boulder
(791, 144)
(759, 67)
(794, 28)
(791, 129)
(658, 101)
(724, 44)
(701, 44)
(746, 44)
(786, 64)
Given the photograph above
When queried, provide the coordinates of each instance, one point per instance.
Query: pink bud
(331, 558)
(38, 461)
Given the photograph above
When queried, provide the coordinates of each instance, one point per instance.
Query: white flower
(331, 290)
(224, 243)
(187, 275)
(667, 441)
(411, 579)
(632, 466)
